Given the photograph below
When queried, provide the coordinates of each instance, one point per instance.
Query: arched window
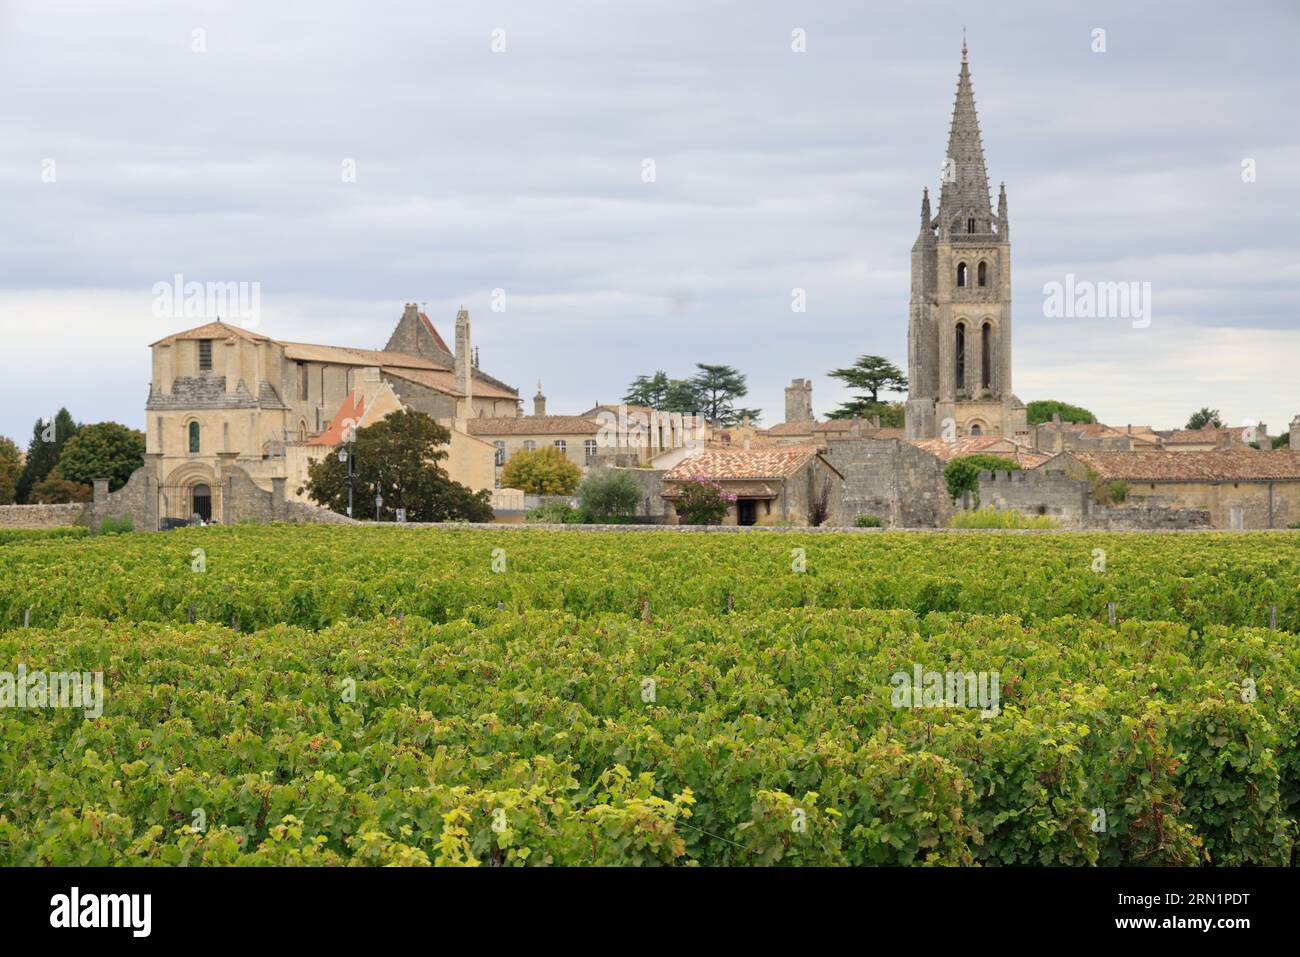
(194, 438)
(982, 275)
(986, 356)
(961, 274)
(970, 225)
(976, 430)
(959, 362)
(302, 430)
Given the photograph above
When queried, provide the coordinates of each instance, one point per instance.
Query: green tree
(663, 394)
(1205, 416)
(609, 494)
(963, 473)
(1042, 410)
(11, 469)
(102, 450)
(48, 436)
(871, 375)
(398, 458)
(54, 489)
(544, 471)
(717, 388)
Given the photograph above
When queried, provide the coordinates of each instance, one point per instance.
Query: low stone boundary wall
(42, 516)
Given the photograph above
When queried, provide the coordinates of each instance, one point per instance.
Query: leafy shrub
(609, 495)
(868, 521)
(116, 526)
(556, 513)
(962, 474)
(544, 471)
(1001, 518)
(702, 501)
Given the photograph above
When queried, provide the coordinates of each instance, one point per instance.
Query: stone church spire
(965, 180)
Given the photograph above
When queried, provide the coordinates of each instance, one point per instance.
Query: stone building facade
(893, 479)
(772, 485)
(959, 319)
(222, 396)
(1240, 488)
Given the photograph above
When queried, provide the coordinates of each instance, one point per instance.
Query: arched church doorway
(201, 501)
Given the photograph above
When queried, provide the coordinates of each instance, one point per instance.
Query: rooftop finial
(963, 44)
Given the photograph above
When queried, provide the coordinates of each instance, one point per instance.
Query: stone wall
(1069, 501)
(1037, 492)
(41, 516)
(892, 479)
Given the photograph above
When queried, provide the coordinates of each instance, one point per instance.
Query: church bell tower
(959, 317)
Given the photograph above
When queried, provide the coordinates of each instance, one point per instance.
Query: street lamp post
(379, 495)
(346, 456)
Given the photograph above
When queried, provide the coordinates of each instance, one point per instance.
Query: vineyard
(502, 697)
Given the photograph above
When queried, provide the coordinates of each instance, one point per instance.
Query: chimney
(539, 400)
(464, 363)
(1056, 418)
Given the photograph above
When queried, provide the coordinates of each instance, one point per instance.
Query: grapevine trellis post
(1110, 611)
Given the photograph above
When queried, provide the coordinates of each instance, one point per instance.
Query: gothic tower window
(961, 274)
(986, 356)
(194, 438)
(959, 363)
(970, 225)
(982, 274)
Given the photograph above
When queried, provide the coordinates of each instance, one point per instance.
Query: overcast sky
(127, 156)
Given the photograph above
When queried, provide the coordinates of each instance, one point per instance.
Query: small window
(983, 274)
(194, 438)
(205, 355)
(986, 356)
(501, 453)
(589, 448)
(959, 359)
(530, 445)
(970, 225)
(562, 446)
(961, 274)
(975, 430)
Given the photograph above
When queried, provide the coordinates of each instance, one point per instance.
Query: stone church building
(959, 319)
(225, 399)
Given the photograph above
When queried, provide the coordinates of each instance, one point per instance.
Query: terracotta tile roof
(1221, 436)
(741, 489)
(946, 451)
(444, 380)
(767, 462)
(348, 416)
(1221, 465)
(533, 425)
(345, 355)
(212, 330)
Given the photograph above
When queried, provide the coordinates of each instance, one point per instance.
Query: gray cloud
(522, 171)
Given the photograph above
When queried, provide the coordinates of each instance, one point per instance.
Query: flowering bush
(703, 501)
